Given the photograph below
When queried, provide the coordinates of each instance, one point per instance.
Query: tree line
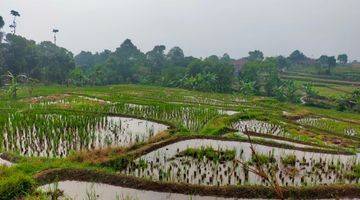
(50, 64)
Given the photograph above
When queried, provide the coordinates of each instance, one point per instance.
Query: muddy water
(78, 191)
(310, 168)
(108, 132)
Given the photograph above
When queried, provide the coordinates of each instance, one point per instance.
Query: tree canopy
(342, 58)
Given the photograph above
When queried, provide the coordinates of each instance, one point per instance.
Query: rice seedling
(52, 135)
(209, 162)
(331, 125)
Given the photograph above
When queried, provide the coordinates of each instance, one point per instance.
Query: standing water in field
(83, 190)
(55, 135)
(221, 163)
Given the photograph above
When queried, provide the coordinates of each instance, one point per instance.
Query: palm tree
(55, 31)
(13, 25)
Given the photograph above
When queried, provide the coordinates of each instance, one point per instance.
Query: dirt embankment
(315, 192)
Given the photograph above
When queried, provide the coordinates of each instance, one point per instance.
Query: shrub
(16, 186)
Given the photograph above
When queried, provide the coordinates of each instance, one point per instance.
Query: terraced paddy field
(142, 142)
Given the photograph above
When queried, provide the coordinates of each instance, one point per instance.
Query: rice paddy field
(144, 142)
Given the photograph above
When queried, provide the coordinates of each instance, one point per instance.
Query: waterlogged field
(52, 135)
(84, 190)
(132, 139)
(212, 162)
(332, 125)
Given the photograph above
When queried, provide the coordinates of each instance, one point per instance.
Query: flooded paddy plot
(260, 127)
(291, 167)
(332, 125)
(277, 141)
(81, 190)
(55, 135)
(190, 117)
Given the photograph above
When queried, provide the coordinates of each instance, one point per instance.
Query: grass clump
(119, 163)
(262, 159)
(210, 154)
(288, 160)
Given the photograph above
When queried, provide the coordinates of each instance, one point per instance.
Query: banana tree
(13, 83)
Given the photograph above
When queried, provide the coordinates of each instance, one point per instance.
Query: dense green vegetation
(25, 61)
(99, 112)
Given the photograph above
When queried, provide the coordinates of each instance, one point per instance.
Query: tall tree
(226, 58)
(256, 56)
(176, 56)
(2, 23)
(342, 58)
(55, 63)
(263, 75)
(297, 58)
(20, 55)
(327, 61)
(13, 25)
(332, 63)
(282, 63)
(156, 58)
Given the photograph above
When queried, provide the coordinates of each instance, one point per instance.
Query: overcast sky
(199, 27)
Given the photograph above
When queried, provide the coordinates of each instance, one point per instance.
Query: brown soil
(324, 191)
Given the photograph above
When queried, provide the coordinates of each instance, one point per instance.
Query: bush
(16, 186)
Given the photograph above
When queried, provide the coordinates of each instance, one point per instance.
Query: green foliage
(262, 159)
(15, 186)
(297, 58)
(210, 74)
(342, 58)
(119, 163)
(77, 77)
(256, 55)
(2, 23)
(282, 63)
(55, 63)
(287, 92)
(14, 83)
(210, 154)
(309, 90)
(350, 102)
(327, 61)
(289, 160)
(247, 88)
(176, 57)
(202, 82)
(262, 75)
(45, 62)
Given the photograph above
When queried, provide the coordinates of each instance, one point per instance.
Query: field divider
(244, 191)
